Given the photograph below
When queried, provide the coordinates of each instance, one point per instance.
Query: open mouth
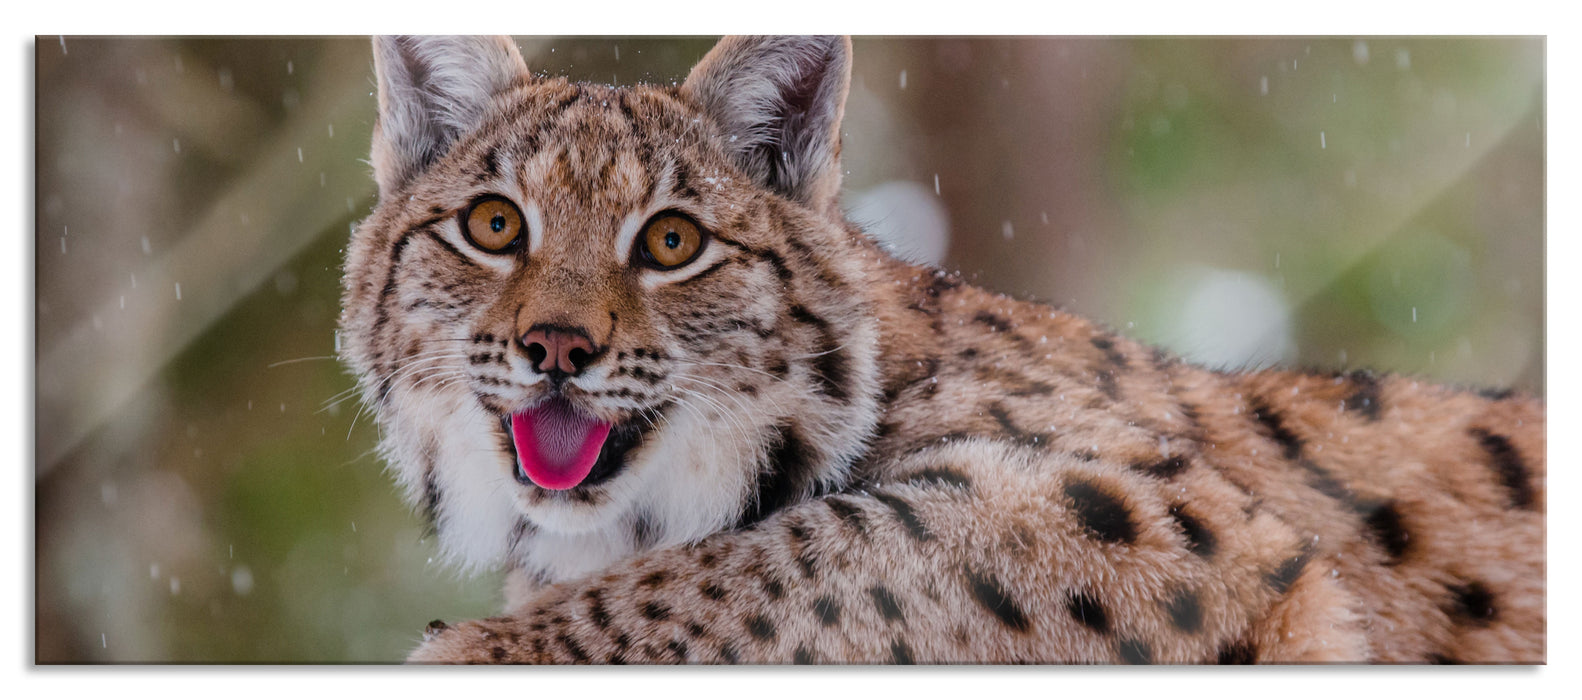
(559, 447)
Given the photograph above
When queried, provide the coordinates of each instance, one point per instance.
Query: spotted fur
(834, 456)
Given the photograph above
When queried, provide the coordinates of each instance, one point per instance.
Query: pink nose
(558, 349)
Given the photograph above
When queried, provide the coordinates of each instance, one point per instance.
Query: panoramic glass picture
(789, 350)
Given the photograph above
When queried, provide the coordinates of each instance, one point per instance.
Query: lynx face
(586, 316)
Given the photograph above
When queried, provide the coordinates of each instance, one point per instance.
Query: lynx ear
(779, 100)
(432, 89)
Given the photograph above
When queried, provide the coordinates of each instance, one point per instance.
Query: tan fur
(982, 480)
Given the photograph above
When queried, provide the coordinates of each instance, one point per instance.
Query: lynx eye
(669, 240)
(493, 224)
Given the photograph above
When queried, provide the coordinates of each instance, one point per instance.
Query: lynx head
(610, 317)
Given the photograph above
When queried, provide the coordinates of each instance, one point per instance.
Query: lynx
(622, 344)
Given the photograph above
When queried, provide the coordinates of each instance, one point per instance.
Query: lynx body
(622, 343)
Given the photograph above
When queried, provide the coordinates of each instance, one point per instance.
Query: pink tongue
(557, 444)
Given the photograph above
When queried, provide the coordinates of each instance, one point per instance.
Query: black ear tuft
(431, 90)
(779, 101)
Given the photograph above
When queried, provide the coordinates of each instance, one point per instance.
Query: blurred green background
(203, 497)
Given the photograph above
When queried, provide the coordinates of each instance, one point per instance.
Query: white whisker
(273, 365)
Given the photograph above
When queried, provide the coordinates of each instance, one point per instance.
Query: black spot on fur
(626, 111)
(1200, 540)
(574, 649)
(1275, 428)
(1365, 394)
(1443, 660)
(907, 516)
(884, 601)
(596, 611)
(773, 587)
(1497, 394)
(785, 478)
(775, 260)
(827, 609)
(1108, 386)
(1384, 522)
(960, 635)
(799, 533)
(1472, 603)
(712, 591)
(643, 532)
(941, 283)
(806, 564)
(1238, 653)
(679, 648)
(1014, 383)
(986, 589)
(801, 538)
(430, 499)
(565, 102)
(1135, 652)
(681, 185)
(1103, 515)
(518, 532)
(1003, 417)
(655, 610)
(802, 657)
(760, 628)
(1088, 611)
(1186, 612)
(498, 653)
(382, 308)
(1324, 482)
(779, 368)
(1165, 468)
(1111, 353)
(654, 580)
(1019, 539)
(1508, 466)
(901, 654)
(801, 315)
(833, 371)
(491, 164)
(728, 653)
(924, 373)
(995, 323)
(1162, 359)
(849, 513)
(1282, 578)
(829, 364)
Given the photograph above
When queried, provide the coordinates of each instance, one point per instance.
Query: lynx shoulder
(622, 344)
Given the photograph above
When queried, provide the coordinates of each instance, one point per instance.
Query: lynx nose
(558, 350)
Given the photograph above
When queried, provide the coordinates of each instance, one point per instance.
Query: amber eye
(493, 224)
(669, 241)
